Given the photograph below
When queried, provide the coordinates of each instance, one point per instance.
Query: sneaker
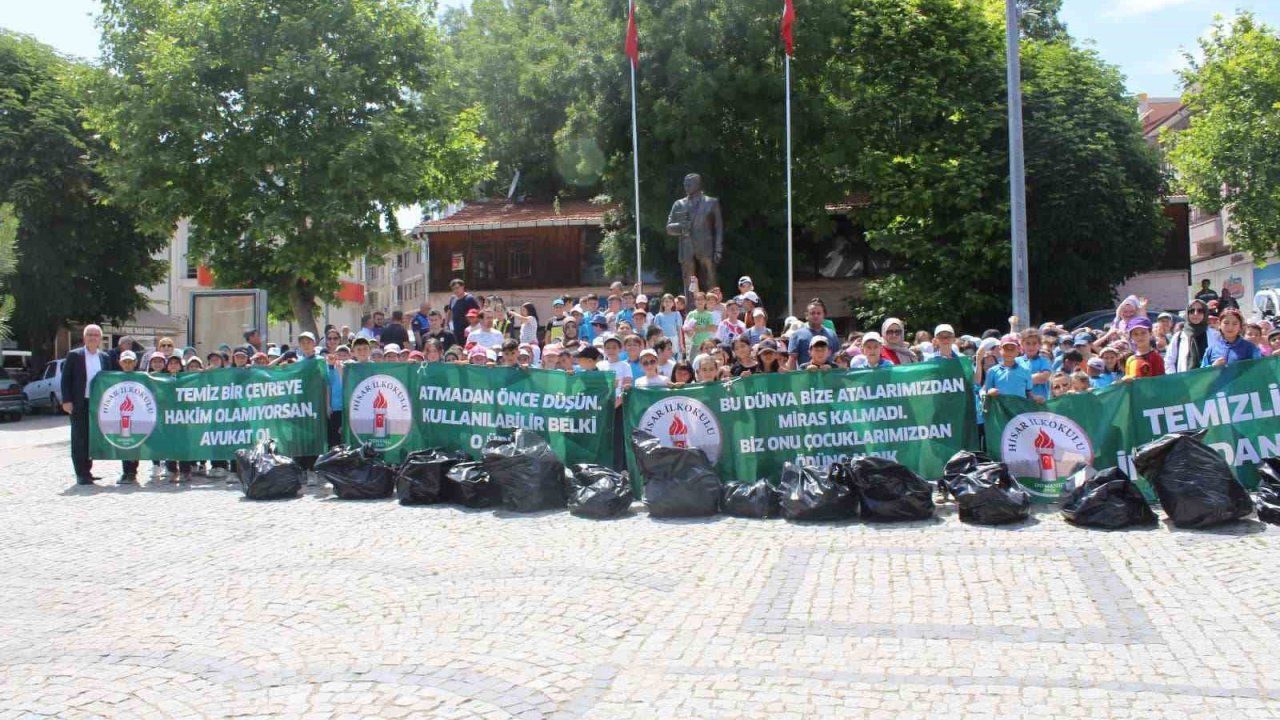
(128, 480)
(185, 477)
(311, 479)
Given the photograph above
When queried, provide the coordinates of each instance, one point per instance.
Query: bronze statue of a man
(695, 219)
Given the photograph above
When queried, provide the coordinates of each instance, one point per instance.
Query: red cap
(473, 313)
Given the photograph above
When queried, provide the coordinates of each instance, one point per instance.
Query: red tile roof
(854, 200)
(1158, 112)
(495, 214)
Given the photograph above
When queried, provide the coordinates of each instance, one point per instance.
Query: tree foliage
(901, 100)
(1230, 155)
(287, 132)
(8, 264)
(79, 259)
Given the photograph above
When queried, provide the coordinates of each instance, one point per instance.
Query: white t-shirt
(92, 366)
(485, 338)
(667, 368)
(621, 371)
(656, 381)
(728, 330)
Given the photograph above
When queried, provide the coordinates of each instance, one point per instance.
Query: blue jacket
(1234, 352)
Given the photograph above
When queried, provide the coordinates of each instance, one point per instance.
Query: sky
(1145, 38)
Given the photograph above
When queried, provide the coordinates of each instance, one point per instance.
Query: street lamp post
(1017, 174)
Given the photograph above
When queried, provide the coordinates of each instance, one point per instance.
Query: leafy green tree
(1230, 155)
(287, 132)
(901, 100)
(79, 259)
(8, 263)
(1093, 217)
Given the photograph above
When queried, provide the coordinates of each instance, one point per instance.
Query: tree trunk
(303, 302)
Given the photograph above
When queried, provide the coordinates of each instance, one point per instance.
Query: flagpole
(635, 162)
(790, 273)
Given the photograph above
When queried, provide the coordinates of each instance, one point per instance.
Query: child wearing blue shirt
(1009, 377)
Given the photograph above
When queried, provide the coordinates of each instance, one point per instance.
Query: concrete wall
(1163, 289)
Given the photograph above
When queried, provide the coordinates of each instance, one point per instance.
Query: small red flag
(788, 20)
(633, 36)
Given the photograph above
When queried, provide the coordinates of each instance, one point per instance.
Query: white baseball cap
(642, 298)
(944, 328)
(128, 355)
(745, 280)
(872, 337)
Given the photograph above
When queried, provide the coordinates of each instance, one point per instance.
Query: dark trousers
(130, 467)
(335, 428)
(183, 466)
(80, 440)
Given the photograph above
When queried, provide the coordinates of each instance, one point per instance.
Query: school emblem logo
(684, 422)
(380, 412)
(127, 414)
(1043, 449)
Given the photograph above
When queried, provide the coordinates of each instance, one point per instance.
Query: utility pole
(1017, 173)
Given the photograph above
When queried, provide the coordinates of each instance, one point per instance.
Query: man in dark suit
(78, 370)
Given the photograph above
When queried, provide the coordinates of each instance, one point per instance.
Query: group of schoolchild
(674, 341)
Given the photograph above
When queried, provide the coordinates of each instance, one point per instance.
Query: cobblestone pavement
(173, 603)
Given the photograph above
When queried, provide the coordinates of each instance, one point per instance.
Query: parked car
(46, 391)
(13, 404)
(1100, 320)
(18, 364)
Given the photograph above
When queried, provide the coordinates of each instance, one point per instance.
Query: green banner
(208, 415)
(401, 407)
(1043, 445)
(918, 415)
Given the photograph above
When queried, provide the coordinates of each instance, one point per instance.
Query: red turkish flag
(633, 36)
(788, 20)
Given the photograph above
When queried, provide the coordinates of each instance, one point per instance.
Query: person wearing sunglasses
(652, 378)
(1187, 347)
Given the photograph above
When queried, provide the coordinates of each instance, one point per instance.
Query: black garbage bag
(678, 482)
(961, 464)
(526, 471)
(888, 491)
(356, 473)
(598, 492)
(989, 495)
(751, 500)
(1267, 498)
(1106, 499)
(1194, 483)
(264, 475)
(468, 484)
(811, 493)
(420, 479)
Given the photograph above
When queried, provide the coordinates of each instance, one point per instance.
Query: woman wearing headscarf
(895, 347)
(1187, 347)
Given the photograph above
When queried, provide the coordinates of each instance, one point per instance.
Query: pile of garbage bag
(678, 482)
(985, 492)
(421, 477)
(1267, 499)
(527, 472)
(888, 491)
(751, 500)
(1107, 499)
(598, 492)
(264, 475)
(468, 484)
(813, 494)
(1194, 483)
(356, 473)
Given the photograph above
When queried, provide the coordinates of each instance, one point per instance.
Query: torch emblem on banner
(679, 432)
(1044, 449)
(380, 416)
(126, 418)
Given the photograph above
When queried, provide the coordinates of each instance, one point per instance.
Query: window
(483, 270)
(520, 259)
(193, 270)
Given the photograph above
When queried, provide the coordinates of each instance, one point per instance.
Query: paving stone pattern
(163, 602)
